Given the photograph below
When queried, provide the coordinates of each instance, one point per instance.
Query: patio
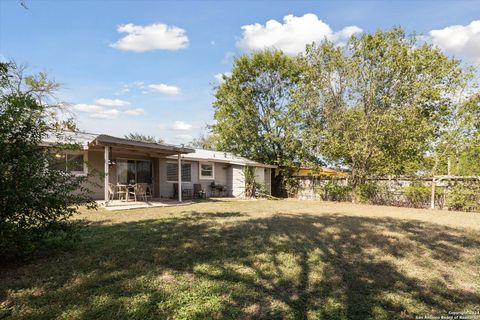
(117, 205)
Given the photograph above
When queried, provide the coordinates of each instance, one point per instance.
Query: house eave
(164, 149)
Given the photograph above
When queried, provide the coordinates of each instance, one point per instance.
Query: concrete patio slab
(115, 205)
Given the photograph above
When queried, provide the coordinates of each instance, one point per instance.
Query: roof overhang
(227, 161)
(104, 140)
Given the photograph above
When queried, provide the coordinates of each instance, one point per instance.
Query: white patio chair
(139, 190)
(111, 191)
(121, 191)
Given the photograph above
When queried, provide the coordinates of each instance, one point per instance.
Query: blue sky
(160, 79)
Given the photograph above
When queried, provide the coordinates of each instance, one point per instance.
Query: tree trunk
(278, 189)
(357, 181)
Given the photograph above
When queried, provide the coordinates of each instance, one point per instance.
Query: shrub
(417, 196)
(332, 191)
(36, 197)
(367, 193)
(464, 196)
(252, 187)
(291, 186)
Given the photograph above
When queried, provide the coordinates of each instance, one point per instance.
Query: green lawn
(254, 259)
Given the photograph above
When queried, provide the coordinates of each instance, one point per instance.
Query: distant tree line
(135, 136)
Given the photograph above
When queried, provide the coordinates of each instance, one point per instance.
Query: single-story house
(169, 170)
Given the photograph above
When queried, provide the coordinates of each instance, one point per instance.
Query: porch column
(107, 177)
(432, 199)
(179, 177)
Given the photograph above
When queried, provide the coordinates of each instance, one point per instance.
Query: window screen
(172, 172)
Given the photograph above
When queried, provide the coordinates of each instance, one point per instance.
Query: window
(207, 171)
(71, 162)
(172, 172)
(134, 171)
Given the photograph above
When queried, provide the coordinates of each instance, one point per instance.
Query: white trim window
(206, 171)
(73, 162)
(172, 172)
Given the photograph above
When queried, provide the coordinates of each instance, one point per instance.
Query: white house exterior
(129, 162)
(227, 170)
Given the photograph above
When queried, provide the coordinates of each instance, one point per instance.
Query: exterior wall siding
(268, 180)
(231, 176)
(96, 169)
(166, 188)
(238, 181)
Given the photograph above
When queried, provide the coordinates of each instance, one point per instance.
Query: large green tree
(34, 196)
(375, 105)
(255, 114)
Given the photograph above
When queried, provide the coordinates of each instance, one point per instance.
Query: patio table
(126, 188)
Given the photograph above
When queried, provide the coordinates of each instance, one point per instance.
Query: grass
(254, 260)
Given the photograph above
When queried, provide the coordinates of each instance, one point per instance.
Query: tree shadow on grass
(286, 266)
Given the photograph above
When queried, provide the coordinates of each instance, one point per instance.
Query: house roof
(223, 157)
(81, 138)
(106, 140)
(92, 141)
(96, 141)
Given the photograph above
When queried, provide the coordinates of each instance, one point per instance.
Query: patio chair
(187, 193)
(121, 191)
(111, 191)
(139, 190)
(150, 189)
(198, 191)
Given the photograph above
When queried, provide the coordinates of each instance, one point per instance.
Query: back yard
(254, 259)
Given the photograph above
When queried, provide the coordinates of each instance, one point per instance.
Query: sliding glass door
(134, 171)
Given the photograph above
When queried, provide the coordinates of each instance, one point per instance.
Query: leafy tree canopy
(382, 104)
(255, 113)
(377, 104)
(135, 136)
(206, 141)
(35, 196)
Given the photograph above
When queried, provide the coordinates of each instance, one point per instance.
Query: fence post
(432, 201)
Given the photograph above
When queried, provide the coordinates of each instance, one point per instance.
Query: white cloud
(292, 35)
(165, 89)
(106, 114)
(96, 111)
(135, 112)
(122, 91)
(112, 102)
(181, 126)
(156, 36)
(459, 39)
(87, 108)
(219, 76)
